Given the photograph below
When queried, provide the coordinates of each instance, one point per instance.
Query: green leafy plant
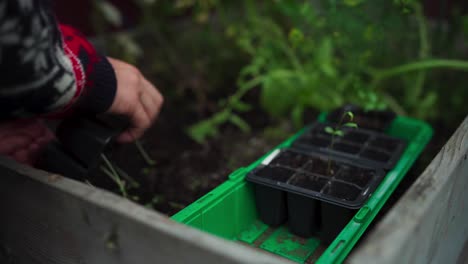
(337, 131)
(322, 55)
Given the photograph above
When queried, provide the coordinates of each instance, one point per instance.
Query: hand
(23, 140)
(136, 98)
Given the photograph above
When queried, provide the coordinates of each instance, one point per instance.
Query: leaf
(350, 114)
(240, 123)
(297, 115)
(329, 130)
(202, 130)
(350, 124)
(325, 57)
(279, 92)
(338, 133)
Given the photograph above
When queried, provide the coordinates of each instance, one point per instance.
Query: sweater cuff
(100, 89)
(95, 76)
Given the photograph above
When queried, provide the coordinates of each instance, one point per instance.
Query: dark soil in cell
(309, 166)
(356, 137)
(375, 155)
(321, 167)
(290, 159)
(356, 143)
(370, 122)
(360, 177)
(308, 181)
(342, 191)
(387, 144)
(275, 173)
(347, 148)
(319, 130)
(319, 141)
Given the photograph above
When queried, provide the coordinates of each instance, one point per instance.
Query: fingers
(151, 99)
(136, 98)
(140, 122)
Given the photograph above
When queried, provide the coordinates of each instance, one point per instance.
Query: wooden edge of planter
(429, 224)
(51, 219)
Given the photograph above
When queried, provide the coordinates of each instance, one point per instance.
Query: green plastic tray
(229, 210)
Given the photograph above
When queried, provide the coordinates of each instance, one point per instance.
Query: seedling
(337, 131)
(110, 171)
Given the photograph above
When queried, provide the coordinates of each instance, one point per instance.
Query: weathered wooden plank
(430, 222)
(50, 219)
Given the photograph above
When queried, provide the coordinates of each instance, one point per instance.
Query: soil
(185, 170)
(339, 181)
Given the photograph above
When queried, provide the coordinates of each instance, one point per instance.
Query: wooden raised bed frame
(50, 219)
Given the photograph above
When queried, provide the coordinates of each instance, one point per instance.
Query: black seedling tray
(305, 184)
(360, 144)
(373, 120)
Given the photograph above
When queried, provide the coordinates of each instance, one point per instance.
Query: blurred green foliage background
(285, 57)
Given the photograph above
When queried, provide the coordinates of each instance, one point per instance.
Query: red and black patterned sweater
(47, 69)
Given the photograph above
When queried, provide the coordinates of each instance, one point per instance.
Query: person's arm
(51, 70)
(47, 69)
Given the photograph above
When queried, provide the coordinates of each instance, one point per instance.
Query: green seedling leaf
(240, 123)
(350, 124)
(338, 133)
(350, 114)
(329, 130)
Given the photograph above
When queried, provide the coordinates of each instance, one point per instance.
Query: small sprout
(350, 115)
(351, 124)
(338, 133)
(329, 130)
(146, 157)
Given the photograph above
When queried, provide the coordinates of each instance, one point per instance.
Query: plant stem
(421, 65)
(332, 143)
(112, 173)
(127, 177)
(394, 105)
(144, 154)
(424, 49)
